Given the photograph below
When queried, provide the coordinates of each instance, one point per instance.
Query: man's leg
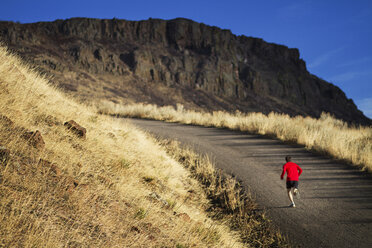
(295, 190)
(290, 196)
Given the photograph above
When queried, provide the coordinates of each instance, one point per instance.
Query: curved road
(335, 209)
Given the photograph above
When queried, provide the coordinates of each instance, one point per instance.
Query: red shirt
(293, 171)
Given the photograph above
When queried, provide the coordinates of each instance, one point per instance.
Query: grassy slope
(117, 188)
(230, 202)
(326, 134)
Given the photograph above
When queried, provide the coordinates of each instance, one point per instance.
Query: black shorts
(292, 184)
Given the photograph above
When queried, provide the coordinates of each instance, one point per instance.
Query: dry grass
(116, 188)
(229, 200)
(326, 135)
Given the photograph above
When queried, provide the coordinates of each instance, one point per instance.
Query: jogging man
(293, 172)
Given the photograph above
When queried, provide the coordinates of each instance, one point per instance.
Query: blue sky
(334, 36)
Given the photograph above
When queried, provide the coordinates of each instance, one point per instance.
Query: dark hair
(288, 158)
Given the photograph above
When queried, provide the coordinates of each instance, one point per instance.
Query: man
(293, 172)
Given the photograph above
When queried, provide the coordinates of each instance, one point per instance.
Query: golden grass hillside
(326, 135)
(116, 188)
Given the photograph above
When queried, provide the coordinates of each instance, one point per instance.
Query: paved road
(335, 209)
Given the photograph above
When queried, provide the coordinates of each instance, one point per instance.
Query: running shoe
(296, 193)
(292, 205)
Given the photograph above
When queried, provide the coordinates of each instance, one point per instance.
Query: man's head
(288, 158)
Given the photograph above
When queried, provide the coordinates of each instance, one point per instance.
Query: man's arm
(299, 170)
(283, 172)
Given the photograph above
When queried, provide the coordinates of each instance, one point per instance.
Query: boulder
(76, 128)
(34, 139)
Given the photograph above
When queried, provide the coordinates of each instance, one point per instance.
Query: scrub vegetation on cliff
(116, 187)
(326, 135)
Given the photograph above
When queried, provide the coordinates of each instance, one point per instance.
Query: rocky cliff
(176, 61)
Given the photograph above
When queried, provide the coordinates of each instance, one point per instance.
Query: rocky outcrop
(166, 62)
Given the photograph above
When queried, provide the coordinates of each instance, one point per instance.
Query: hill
(104, 183)
(176, 61)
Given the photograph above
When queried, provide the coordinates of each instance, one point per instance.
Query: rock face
(176, 61)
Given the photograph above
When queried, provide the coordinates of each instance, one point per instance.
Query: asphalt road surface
(335, 208)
